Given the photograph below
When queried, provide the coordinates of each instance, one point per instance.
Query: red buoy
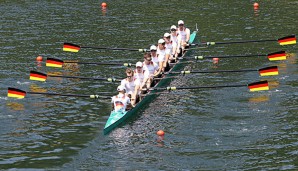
(39, 58)
(103, 4)
(160, 133)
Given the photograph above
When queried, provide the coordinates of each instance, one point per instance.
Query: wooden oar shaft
(95, 96)
(86, 78)
(228, 56)
(128, 49)
(232, 42)
(245, 41)
(100, 63)
(197, 87)
(186, 72)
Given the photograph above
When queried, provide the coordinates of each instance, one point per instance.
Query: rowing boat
(116, 118)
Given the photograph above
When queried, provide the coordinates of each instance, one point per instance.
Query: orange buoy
(215, 60)
(160, 133)
(256, 5)
(103, 4)
(39, 58)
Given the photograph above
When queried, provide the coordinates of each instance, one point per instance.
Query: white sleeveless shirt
(129, 85)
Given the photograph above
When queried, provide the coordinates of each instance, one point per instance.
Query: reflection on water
(258, 99)
(15, 106)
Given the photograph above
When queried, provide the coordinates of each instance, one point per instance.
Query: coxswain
(151, 70)
(162, 54)
(184, 34)
(139, 75)
(175, 41)
(120, 101)
(129, 82)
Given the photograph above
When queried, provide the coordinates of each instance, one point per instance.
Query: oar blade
(53, 62)
(37, 76)
(258, 86)
(288, 40)
(268, 71)
(277, 56)
(69, 47)
(16, 93)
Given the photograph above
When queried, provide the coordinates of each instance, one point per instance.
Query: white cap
(139, 64)
(180, 22)
(120, 88)
(161, 41)
(166, 35)
(153, 47)
(173, 27)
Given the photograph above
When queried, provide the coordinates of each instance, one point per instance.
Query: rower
(184, 34)
(139, 75)
(153, 54)
(175, 41)
(151, 70)
(162, 54)
(120, 101)
(129, 82)
(169, 45)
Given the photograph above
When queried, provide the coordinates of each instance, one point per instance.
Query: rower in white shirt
(129, 82)
(184, 34)
(139, 75)
(162, 54)
(151, 70)
(175, 41)
(153, 54)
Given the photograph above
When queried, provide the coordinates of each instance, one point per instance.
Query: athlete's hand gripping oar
(69, 47)
(38, 76)
(273, 70)
(53, 62)
(281, 55)
(257, 86)
(20, 94)
(288, 40)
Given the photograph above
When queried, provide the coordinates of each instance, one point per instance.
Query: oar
(70, 47)
(281, 55)
(288, 40)
(20, 94)
(256, 86)
(267, 71)
(54, 62)
(38, 76)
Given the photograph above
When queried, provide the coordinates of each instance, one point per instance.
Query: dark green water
(214, 129)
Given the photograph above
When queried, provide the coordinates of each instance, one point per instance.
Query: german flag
(289, 40)
(69, 47)
(16, 93)
(52, 62)
(269, 71)
(258, 86)
(277, 56)
(37, 76)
